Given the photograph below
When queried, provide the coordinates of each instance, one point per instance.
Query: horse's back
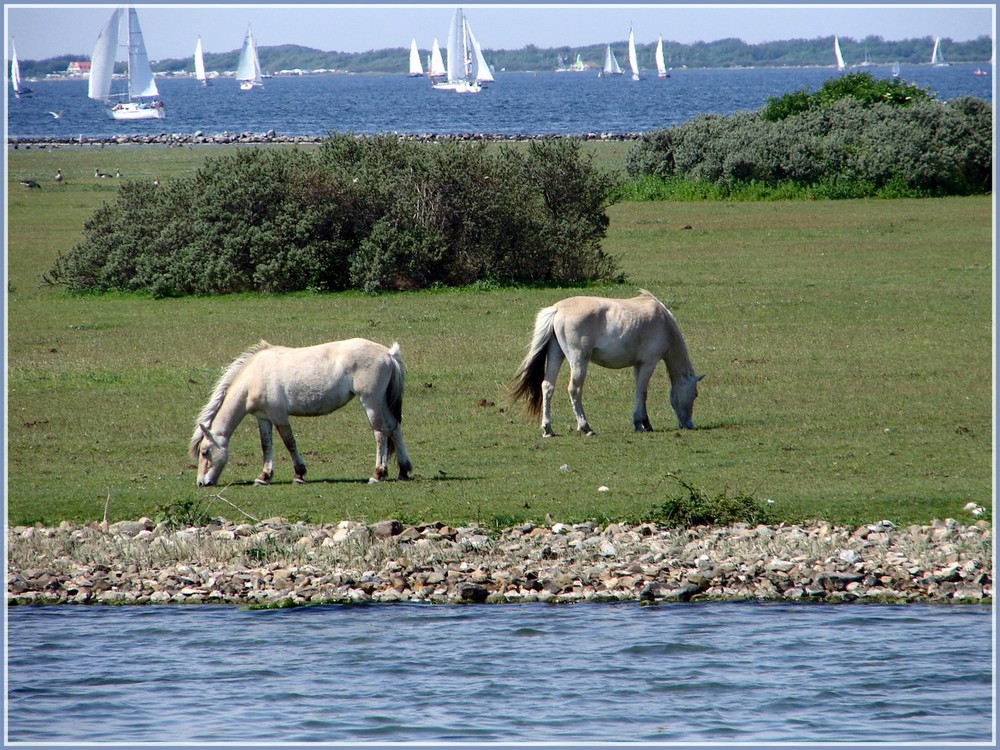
(614, 332)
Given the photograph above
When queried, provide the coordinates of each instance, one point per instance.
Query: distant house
(79, 69)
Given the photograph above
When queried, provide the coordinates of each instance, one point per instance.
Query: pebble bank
(277, 563)
(200, 138)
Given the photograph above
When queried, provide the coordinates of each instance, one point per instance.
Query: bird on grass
(31, 184)
(59, 177)
(99, 173)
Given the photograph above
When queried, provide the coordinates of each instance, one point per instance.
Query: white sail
(102, 63)
(415, 67)
(841, 65)
(248, 68)
(15, 70)
(661, 66)
(480, 70)
(611, 66)
(140, 75)
(437, 68)
(199, 63)
(457, 51)
(937, 57)
(460, 78)
(633, 60)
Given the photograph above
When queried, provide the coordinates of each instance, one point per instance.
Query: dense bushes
(829, 146)
(370, 213)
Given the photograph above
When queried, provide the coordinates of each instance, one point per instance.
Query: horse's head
(682, 396)
(212, 454)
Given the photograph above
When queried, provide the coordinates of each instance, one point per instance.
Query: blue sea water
(516, 104)
(698, 672)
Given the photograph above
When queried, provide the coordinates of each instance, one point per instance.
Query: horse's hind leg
(553, 361)
(267, 449)
(640, 418)
(285, 430)
(578, 373)
(402, 457)
(383, 435)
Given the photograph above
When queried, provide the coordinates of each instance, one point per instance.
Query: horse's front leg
(640, 418)
(285, 430)
(267, 449)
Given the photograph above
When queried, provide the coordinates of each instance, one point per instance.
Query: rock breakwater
(200, 138)
(277, 563)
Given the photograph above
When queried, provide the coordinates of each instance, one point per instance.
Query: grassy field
(846, 346)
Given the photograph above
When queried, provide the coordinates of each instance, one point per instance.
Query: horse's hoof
(373, 480)
(548, 432)
(298, 480)
(261, 481)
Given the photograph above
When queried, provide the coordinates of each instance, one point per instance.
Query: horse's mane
(219, 394)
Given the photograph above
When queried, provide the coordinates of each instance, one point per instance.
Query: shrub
(859, 87)
(695, 508)
(369, 213)
(845, 148)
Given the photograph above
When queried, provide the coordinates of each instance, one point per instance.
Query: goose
(99, 173)
(31, 184)
(59, 177)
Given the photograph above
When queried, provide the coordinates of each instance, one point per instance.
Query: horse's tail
(394, 393)
(527, 381)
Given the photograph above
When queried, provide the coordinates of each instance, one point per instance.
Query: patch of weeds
(697, 508)
(181, 514)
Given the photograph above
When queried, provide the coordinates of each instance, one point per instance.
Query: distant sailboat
(467, 68)
(141, 84)
(661, 66)
(895, 70)
(633, 60)
(15, 74)
(436, 67)
(841, 65)
(248, 71)
(416, 70)
(937, 56)
(611, 66)
(199, 64)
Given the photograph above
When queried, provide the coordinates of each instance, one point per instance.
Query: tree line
(722, 53)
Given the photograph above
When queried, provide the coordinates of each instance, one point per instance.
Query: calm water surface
(709, 672)
(518, 103)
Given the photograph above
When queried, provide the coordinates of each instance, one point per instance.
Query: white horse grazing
(274, 383)
(613, 333)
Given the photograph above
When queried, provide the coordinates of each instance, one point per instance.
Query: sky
(42, 30)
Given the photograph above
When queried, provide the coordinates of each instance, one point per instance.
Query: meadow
(847, 347)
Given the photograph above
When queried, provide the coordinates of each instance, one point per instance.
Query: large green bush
(370, 213)
(845, 148)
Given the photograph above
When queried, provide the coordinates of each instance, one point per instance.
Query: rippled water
(518, 103)
(706, 672)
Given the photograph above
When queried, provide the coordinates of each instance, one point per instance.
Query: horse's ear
(208, 434)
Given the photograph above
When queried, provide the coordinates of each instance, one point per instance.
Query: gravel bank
(201, 138)
(276, 563)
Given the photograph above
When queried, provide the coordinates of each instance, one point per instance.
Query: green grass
(847, 347)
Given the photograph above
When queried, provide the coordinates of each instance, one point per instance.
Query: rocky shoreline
(199, 138)
(277, 563)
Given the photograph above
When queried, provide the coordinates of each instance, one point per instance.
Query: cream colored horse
(274, 383)
(613, 333)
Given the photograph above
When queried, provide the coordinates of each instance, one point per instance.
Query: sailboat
(199, 64)
(661, 66)
(248, 68)
(416, 69)
(937, 56)
(436, 69)
(633, 60)
(141, 85)
(15, 74)
(611, 66)
(841, 65)
(467, 69)
(895, 70)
